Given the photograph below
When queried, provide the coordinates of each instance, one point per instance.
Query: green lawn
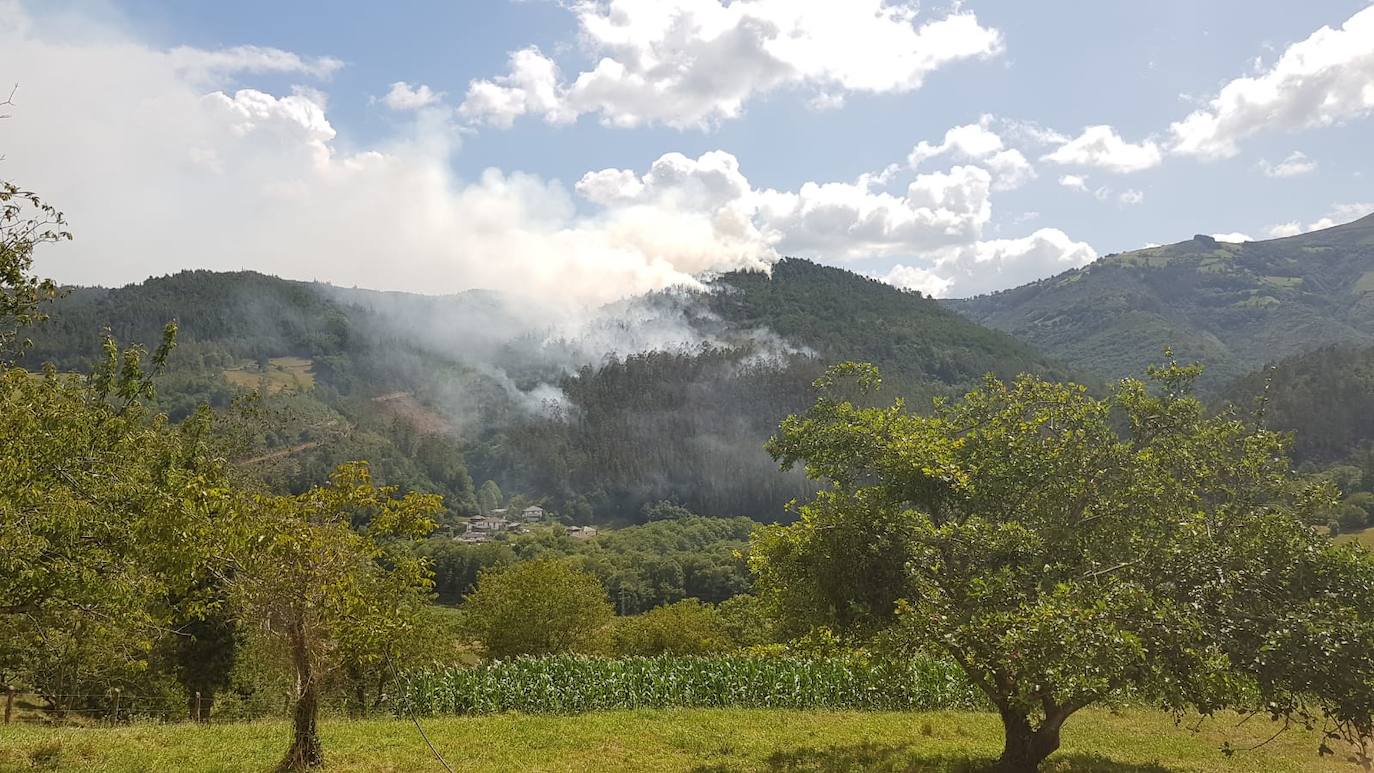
(1135, 741)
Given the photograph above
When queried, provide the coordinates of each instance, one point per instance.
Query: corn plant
(569, 684)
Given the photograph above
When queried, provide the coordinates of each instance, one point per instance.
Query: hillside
(668, 396)
(1325, 397)
(1232, 306)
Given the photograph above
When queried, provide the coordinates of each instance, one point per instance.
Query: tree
(25, 222)
(489, 497)
(688, 627)
(1061, 548)
(321, 587)
(538, 607)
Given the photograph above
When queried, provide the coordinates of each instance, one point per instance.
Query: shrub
(538, 608)
(688, 627)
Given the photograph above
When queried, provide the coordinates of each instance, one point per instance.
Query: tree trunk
(305, 751)
(1027, 747)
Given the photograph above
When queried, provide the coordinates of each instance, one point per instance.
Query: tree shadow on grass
(902, 758)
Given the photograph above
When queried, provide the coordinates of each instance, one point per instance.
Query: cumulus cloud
(1101, 147)
(1320, 81)
(917, 279)
(693, 63)
(1235, 237)
(180, 177)
(229, 179)
(977, 142)
(1297, 163)
(403, 97)
(1131, 197)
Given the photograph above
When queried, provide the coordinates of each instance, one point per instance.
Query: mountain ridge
(1232, 306)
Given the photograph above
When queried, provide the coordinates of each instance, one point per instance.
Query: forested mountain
(1324, 397)
(1233, 307)
(669, 396)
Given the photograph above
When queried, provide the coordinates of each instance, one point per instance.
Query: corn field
(568, 684)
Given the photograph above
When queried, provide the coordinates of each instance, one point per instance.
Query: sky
(585, 150)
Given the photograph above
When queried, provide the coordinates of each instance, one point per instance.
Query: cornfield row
(568, 684)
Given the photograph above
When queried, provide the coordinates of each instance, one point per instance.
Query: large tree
(106, 511)
(1063, 548)
(330, 574)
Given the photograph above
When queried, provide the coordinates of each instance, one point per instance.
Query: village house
(532, 514)
(488, 523)
(582, 532)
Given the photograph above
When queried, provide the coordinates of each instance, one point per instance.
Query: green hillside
(442, 391)
(1325, 397)
(1232, 306)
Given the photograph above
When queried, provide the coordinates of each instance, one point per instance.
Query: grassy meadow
(1365, 538)
(281, 373)
(1130, 741)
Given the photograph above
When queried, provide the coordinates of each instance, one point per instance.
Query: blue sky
(582, 199)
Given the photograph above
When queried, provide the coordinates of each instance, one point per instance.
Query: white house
(532, 514)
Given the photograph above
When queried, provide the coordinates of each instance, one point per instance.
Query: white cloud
(1297, 163)
(530, 87)
(244, 179)
(919, 279)
(1131, 197)
(988, 266)
(202, 66)
(1075, 182)
(247, 179)
(1234, 237)
(977, 142)
(1101, 147)
(1340, 213)
(693, 63)
(1320, 81)
(403, 96)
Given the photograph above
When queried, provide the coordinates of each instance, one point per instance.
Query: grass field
(1131, 741)
(281, 373)
(1365, 538)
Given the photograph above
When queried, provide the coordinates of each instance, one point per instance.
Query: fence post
(9, 702)
(116, 706)
(198, 719)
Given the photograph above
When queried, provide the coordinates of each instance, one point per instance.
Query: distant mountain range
(670, 396)
(1233, 307)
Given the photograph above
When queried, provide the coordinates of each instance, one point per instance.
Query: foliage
(572, 683)
(1062, 548)
(538, 607)
(327, 591)
(685, 425)
(25, 222)
(687, 627)
(106, 512)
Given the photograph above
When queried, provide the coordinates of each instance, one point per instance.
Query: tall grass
(569, 684)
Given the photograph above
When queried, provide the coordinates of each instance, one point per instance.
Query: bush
(748, 621)
(688, 627)
(1350, 517)
(538, 608)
